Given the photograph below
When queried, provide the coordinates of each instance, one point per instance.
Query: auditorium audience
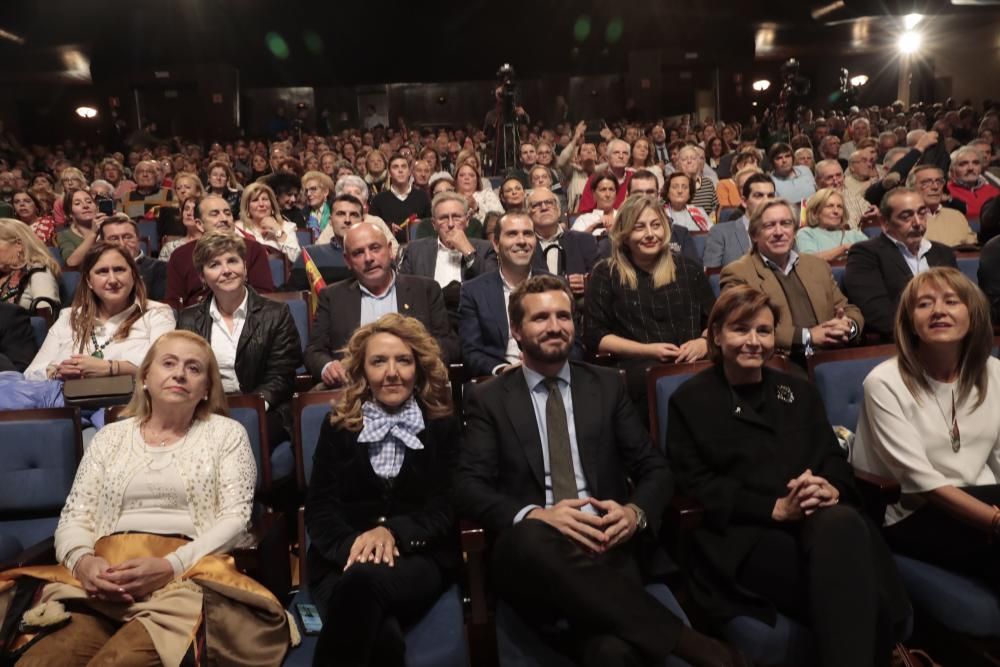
(928, 421)
(604, 188)
(827, 233)
(28, 272)
(328, 256)
(375, 290)
(728, 241)
(148, 192)
(512, 190)
(830, 175)
(861, 173)
(783, 530)
(878, 269)
(813, 313)
(643, 182)
(576, 162)
(222, 183)
(794, 183)
(109, 326)
(254, 339)
(618, 153)
(680, 209)
(192, 228)
(381, 525)
(155, 497)
(468, 183)
(729, 191)
(261, 221)
(945, 225)
(121, 230)
(701, 188)
(401, 202)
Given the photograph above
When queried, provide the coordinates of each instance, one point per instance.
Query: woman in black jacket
(783, 529)
(254, 339)
(378, 513)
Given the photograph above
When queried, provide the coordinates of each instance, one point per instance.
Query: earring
(144, 387)
(206, 397)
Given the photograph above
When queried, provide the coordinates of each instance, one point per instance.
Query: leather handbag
(99, 392)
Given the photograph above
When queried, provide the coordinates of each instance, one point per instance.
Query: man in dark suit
(549, 452)
(879, 269)
(375, 290)
(17, 338)
(562, 252)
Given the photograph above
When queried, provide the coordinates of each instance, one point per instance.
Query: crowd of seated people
(603, 250)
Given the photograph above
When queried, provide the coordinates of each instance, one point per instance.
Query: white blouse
(289, 247)
(910, 441)
(59, 344)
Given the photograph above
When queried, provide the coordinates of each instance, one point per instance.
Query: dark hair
(497, 229)
(778, 149)
(68, 201)
(885, 206)
(282, 183)
(738, 303)
(397, 156)
(116, 219)
(351, 199)
(603, 175)
(642, 174)
(671, 178)
(535, 285)
(756, 178)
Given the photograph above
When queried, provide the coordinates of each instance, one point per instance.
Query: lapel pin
(738, 410)
(785, 394)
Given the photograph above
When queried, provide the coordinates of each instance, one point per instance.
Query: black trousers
(546, 576)
(930, 534)
(833, 572)
(363, 607)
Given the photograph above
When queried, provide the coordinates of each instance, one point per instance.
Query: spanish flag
(316, 282)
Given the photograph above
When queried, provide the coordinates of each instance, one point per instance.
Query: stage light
(909, 42)
(859, 80)
(761, 85)
(86, 112)
(910, 21)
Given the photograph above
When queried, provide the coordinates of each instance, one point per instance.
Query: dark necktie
(560, 455)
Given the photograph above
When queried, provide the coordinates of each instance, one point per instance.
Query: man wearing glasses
(879, 269)
(944, 225)
(561, 252)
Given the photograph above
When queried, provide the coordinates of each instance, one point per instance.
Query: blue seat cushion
(437, 639)
(960, 603)
(787, 643)
(282, 461)
(519, 645)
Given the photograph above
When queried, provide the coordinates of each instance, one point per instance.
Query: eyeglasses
(927, 182)
(907, 214)
(786, 224)
(544, 203)
(453, 217)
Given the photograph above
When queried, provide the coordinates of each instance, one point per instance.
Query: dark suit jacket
(17, 338)
(339, 314)
(346, 498)
(420, 258)
(876, 274)
(735, 459)
(185, 283)
(501, 469)
(268, 352)
(579, 254)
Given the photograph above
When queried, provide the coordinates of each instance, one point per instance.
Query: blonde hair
(976, 347)
(141, 407)
(757, 219)
(620, 261)
(188, 176)
(252, 192)
(71, 172)
(819, 200)
(35, 254)
(431, 389)
(324, 180)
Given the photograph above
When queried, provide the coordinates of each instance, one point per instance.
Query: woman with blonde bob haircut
(645, 304)
(260, 219)
(927, 421)
(378, 508)
(827, 233)
(157, 497)
(27, 271)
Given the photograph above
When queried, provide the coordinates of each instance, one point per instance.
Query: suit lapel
(517, 403)
(351, 313)
(587, 413)
(742, 237)
(897, 257)
(404, 296)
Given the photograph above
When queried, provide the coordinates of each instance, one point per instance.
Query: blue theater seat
(68, 282)
(838, 376)
(960, 603)
(272, 464)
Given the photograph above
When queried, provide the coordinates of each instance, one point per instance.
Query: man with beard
(576, 163)
(967, 183)
(375, 290)
(875, 277)
(944, 225)
(549, 453)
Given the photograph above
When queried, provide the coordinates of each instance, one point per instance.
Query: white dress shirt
(917, 263)
(225, 342)
(448, 266)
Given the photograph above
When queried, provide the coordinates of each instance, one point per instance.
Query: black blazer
(346, 498)
(736, 461)
(876, 274)
(579, 252)
(268, 352)
(989, 276)
(339, 315)
(501, 469)
(420, 258)
(17, 338)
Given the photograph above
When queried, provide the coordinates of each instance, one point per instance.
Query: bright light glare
(86, 112)
(909, 42)
(910, 21)
(761, 85)
(859, 80)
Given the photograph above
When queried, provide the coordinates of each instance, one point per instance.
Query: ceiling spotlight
(909, 42)
(760, 85)
(910, 21)
(859, 80)
(86, 112)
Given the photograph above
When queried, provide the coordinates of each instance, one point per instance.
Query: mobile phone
(311, 621)
(106, 206)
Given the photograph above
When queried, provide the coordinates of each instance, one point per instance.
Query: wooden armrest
(474, 544)
(604, 359)
(304, 383)
(687, 512)
(42, 553)
(888, 489)
(473, 536)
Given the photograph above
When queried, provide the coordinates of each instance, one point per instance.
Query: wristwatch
(640, 517)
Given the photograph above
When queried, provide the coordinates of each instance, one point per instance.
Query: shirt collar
(443, 248)
(505, 283)
(555, 237)
(366, 292)
(239, 313)
(793, 259)
(925, 246)
(534, 378)
(122, 316)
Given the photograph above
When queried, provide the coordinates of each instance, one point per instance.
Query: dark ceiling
(292, 42)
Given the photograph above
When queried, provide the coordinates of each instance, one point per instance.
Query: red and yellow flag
(316, 282)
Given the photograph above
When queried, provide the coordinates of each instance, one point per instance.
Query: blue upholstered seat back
(840, 383)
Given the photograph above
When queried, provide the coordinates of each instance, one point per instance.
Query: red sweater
(587, 202)
(973, 197)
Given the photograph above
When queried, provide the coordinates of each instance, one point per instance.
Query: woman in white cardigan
(929, 420)
(165, 488)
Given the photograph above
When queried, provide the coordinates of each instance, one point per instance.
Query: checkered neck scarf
(388, 435)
